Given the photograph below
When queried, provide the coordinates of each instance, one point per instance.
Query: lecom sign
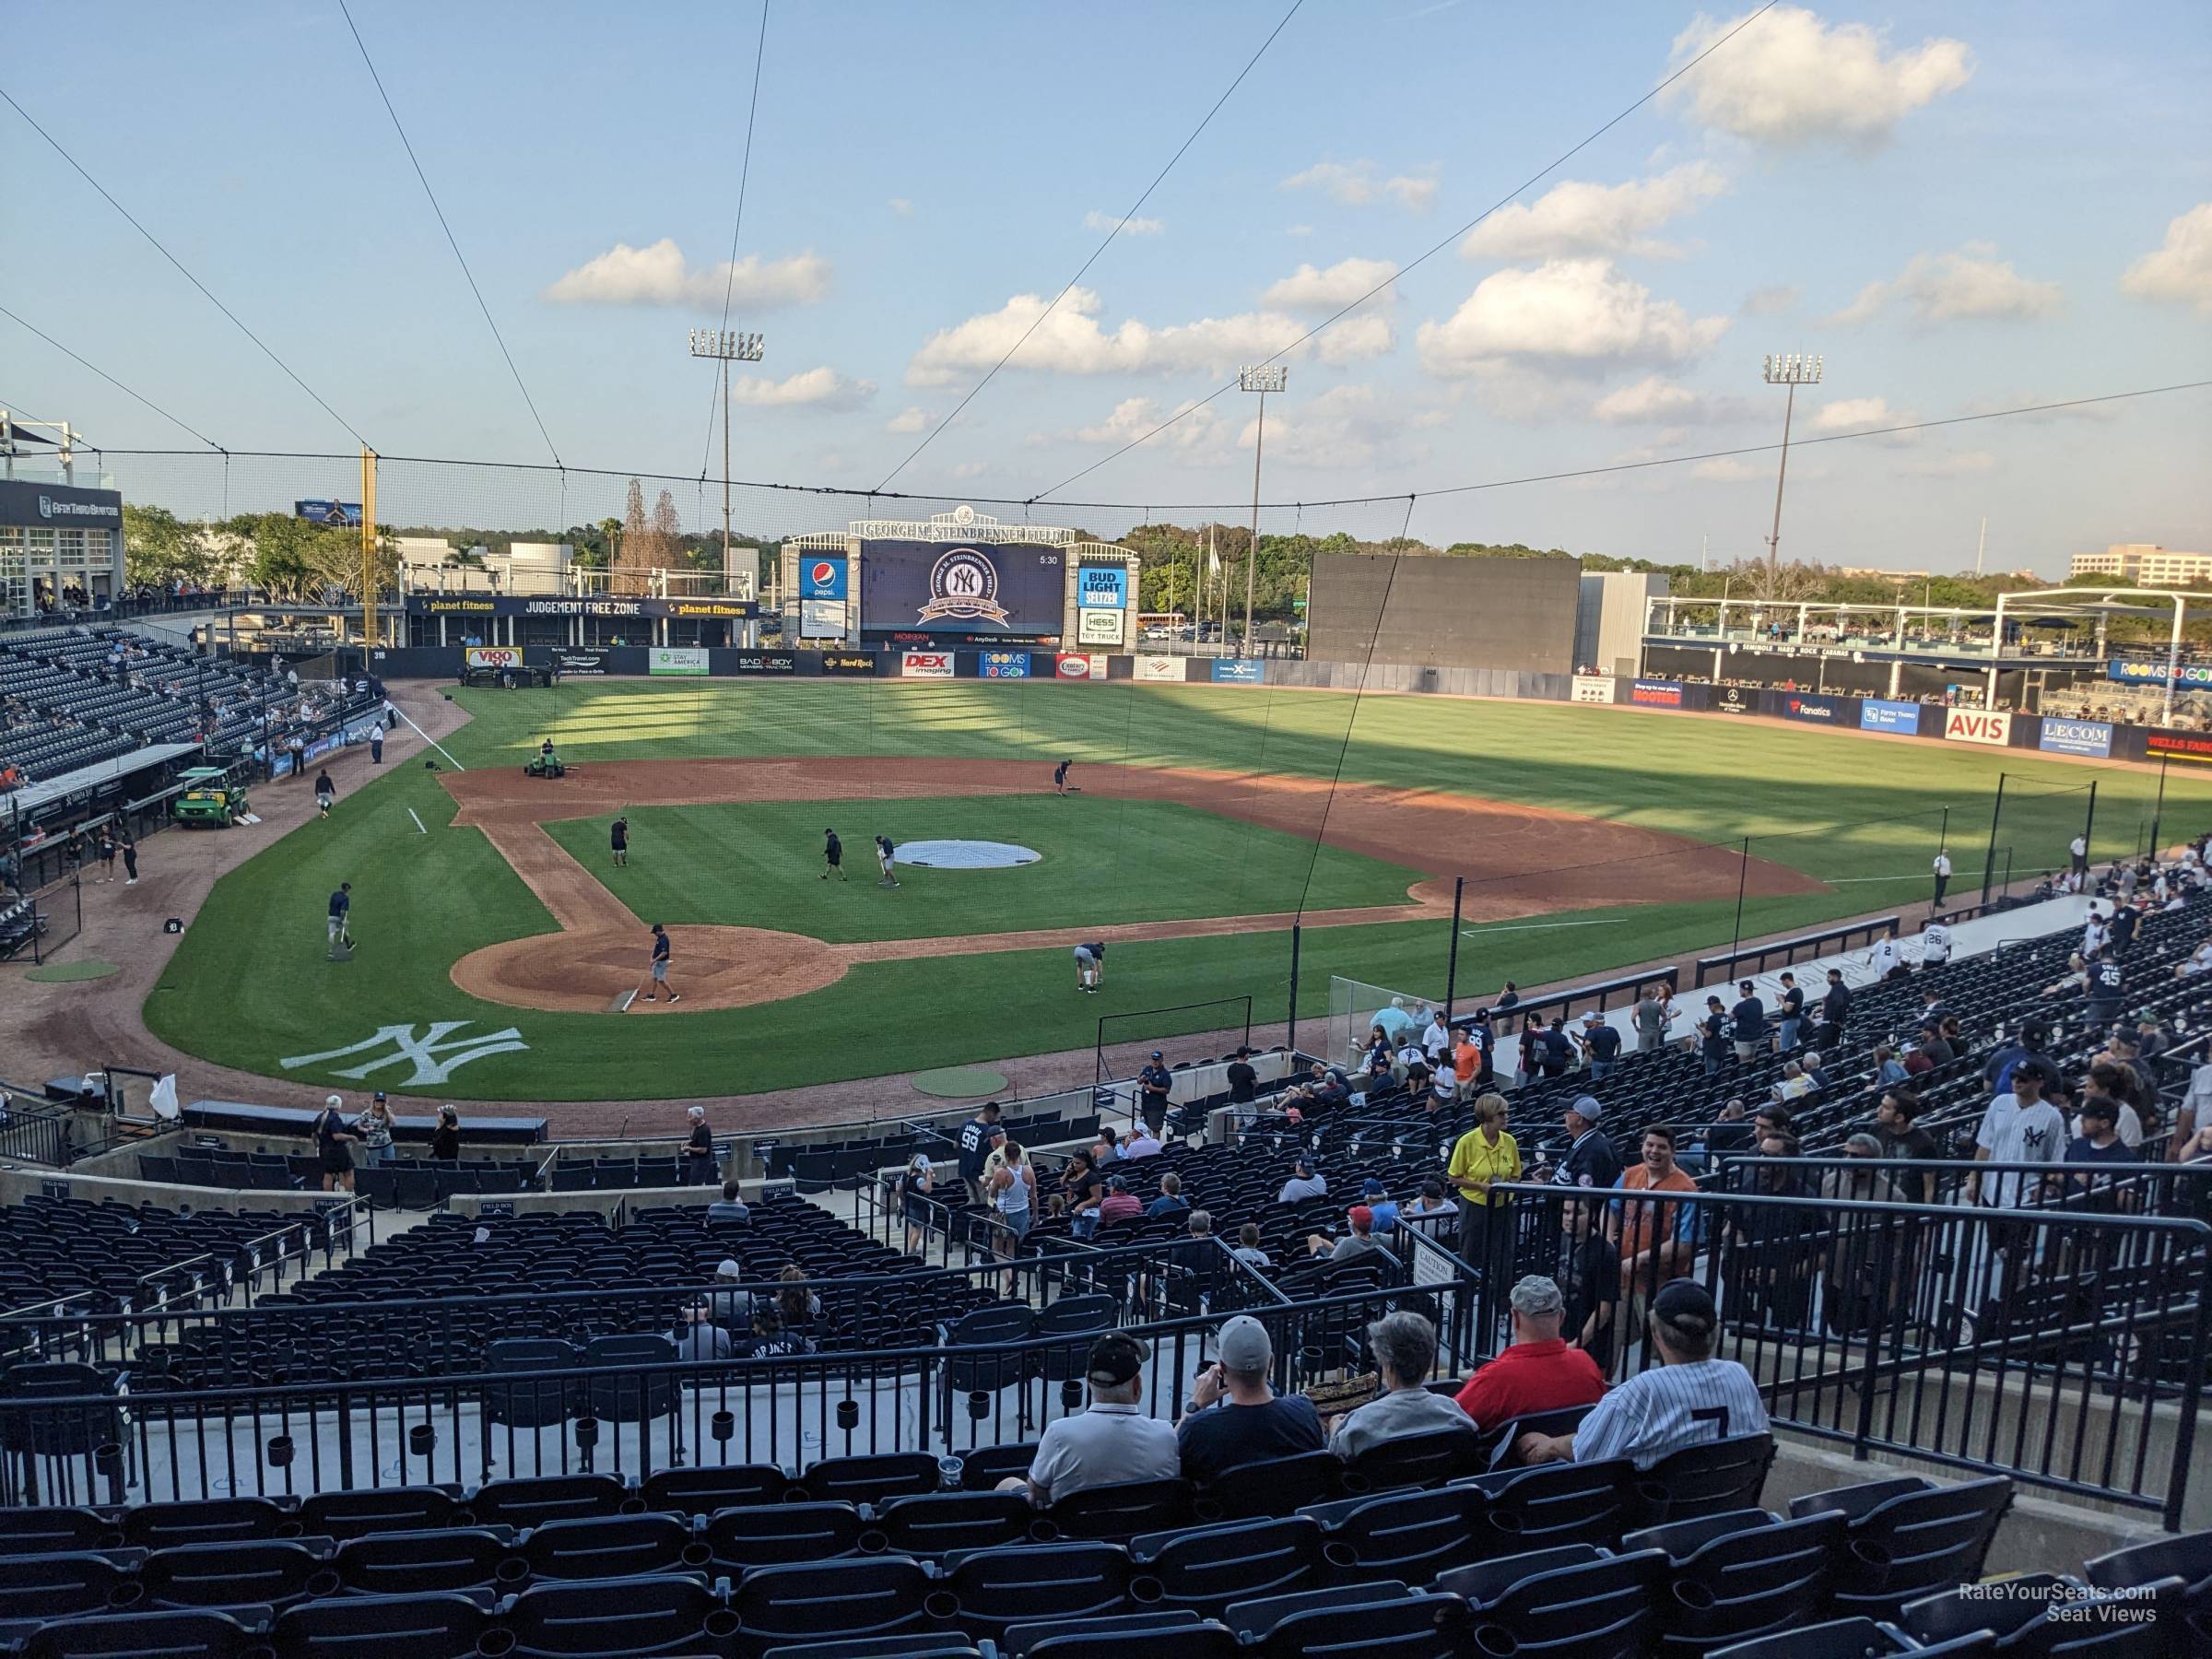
(926, 664)
(1979, 725)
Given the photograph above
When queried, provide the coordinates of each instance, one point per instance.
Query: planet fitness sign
(2077, 737)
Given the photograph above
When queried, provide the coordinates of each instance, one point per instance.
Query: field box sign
(1657, 694)
(1005, 664)
(1162, 670)
(1979, 725)
(821, 619)
(492, 656)
(1593, 689)
(665, 659)
(2163, 744)
(1100, 627)
(824, 579)
(1078, 665)
(1820, 711)
(2193, 675)
(1240, 671)
(2077, 737)
(1101, 587)
(926, 664)
(1879, 715)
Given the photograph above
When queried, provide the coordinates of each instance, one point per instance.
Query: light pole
(724, 347)
(1794, 370)
(1265, 379)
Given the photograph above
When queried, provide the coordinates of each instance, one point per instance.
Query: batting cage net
(1356, 1007)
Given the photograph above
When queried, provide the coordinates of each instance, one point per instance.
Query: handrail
(1724, 965)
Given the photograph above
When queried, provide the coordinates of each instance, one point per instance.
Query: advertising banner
(1822, 711)
(926, 664)
(1012, 587)
(493, 656)
(581, 661)
(2162, 744)
(1733, 699)
(1878, 714)
(329, 513)
(1978, 725)
(1005, 664)
(1068, 665)
(1592, 687)
(761, 662)
(1101, 587)
(2077, 737)
(1100, 627)
(2154, 673)
(1238, 670)
(510, 605)
(1659, 694)
(1160, 669)
(848, 663)
(664, 659)
(822, 619)
(823, 578)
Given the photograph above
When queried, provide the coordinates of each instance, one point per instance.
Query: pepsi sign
(822, 578)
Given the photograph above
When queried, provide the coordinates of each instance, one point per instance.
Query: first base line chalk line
(418, 829)
(1534, 926)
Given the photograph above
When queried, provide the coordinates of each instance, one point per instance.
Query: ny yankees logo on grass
(435, 1055)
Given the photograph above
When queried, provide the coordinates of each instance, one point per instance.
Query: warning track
(1518, 861)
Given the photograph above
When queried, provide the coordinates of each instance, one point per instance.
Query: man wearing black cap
(1690, 1399)
(1153, 1084)
(1305, 1182)
(1112, 1442)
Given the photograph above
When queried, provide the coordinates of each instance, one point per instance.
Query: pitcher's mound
(966, 854)
(709, 968)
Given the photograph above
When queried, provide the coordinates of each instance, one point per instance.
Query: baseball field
(495, 939)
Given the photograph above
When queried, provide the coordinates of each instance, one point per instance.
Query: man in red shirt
(1539, 1371)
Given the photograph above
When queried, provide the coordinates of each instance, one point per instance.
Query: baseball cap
(1588, 1106)
(1114, 1359)
(2097, 1106)
(334, 1100)
(1372, 1188)
(1536, 1295)
(1244, 1346)
(1158, 1055)
(1592, 1017)
(998, 1132)
(1305, 1162)
(1683, 1302)
(729, 1269)
(1360, 1215)
(379, 1095)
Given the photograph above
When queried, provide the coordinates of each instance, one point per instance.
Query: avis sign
(1979, 725)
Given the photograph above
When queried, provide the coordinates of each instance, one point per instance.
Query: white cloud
(1726, 469)
(908, 421)
(1579, 217)
(1198, 438)
(1344, 427)
(821, 388)
(1947, 288)
(1654, 397)
(1790, 79)
(1568, 313)
(2179, 270)
(975, 469)
(902, 207)
(1771, 300)
(1308, 288)
(1360, 184)
(658, 276)
(1962, 463)
(1095, 221)
(1070, 341)
(1861, 415)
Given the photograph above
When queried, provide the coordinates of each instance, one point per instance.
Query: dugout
(1441, 611)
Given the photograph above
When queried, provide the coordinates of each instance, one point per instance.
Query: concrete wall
(1608, 623)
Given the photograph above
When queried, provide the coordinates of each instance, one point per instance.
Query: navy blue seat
(447, 1559)
(941, 1523)
(1120, 1510)
(261, 1570)
(533, 1498)
(1154, 1635)
(1205, 1570)
(985, 1592)
(702, 1492)
(1710, 1480)
(66, 1584)
(357, 1513)
(1852, 1639)
(874, 1479)
(982, 1467)
(193, 1634)
(1909, 1538)
(776, 1535)
(1397, 1623)
(51, 1530)
(429, 1625)
(666, 1614)
(1560, 1503)
(1415, 1460)
(1575, 1599)
(207, 1521)
(637, 1396)
(2098, 1626)
(1409, 1535)
(1278, 1486)
(537, 1403)
(2185, 1556)
(780, 1606)
(1743, 1574)
(613, 1546)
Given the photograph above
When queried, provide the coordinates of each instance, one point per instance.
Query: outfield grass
(759, 865)
(249, 985)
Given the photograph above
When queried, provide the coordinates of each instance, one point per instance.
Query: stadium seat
(1909, 1538)
(530, 1500)
(356, 1512)
(982, 1467)
(451, 1557)
(431, 1625)
(776, 1535)
(542, 1401)
(665, 1614)
(47, 1531)
(1561, 1502)
(1576, 1600)
(612, 1546)
(992, 1369)
(987, 1592)
(1206, 1568)
(2185, 1556)
(702, 1492)
(1704, 1481)
(1275, 1487)
(1852, 1639)
(1379, 1621)
(183, 1634)
(637, 1396)
(67, 1584)
(874, 1479)
(2096, 1624)
(784, 1607)
(1154, 1635)
(1120, 1510)
(263, 1571)
(940, 1522)
(1415, 1460)
(207, 1521)
(1742, 1574)
(1409, 1535)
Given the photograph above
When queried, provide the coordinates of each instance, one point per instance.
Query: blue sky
(1961, 207)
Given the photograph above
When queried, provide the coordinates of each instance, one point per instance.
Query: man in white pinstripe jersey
(1692, 1399)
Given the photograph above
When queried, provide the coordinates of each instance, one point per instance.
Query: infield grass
(249, 985)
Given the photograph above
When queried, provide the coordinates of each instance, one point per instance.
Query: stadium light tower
(726, 347)
(1794, 370)
(1265, 379)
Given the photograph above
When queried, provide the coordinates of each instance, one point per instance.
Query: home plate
(621, 1004)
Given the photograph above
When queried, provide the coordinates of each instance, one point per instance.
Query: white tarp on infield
(966, 854)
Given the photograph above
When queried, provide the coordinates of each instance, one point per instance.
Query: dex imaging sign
(926, 664)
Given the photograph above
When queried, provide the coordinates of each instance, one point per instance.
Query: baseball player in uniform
(834, 856)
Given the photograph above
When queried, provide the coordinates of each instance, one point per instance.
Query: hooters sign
(926, 664)
(1979, 725)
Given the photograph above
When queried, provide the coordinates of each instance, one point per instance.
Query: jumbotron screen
(956, 587)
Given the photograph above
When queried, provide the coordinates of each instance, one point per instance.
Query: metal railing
(36, 1130)
(2062, 1347)
(1724, 966)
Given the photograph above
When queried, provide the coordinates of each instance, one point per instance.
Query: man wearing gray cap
(1404, 1345)
(1115, 1442)
(1235, 1418)
(1690, 1399)
(1539, 1371)
(1591, 1160)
